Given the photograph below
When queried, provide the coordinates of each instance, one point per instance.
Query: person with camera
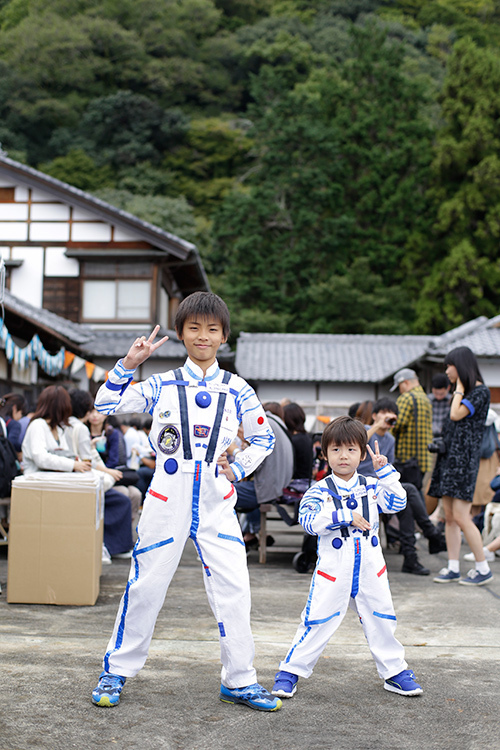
(385, 416)
(457, 465)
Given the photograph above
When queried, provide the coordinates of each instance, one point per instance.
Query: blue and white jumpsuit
(350, 570)
(195, 419)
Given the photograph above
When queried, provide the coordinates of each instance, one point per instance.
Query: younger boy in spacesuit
(196, 411)
(343, 511)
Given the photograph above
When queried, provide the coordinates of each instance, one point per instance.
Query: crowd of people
(419, 465)
(65, 433)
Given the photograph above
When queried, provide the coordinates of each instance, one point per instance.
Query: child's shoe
(475, 578)
(285, 684)
(403, 683)
(109, 687)
(254, 696)
(446, 575)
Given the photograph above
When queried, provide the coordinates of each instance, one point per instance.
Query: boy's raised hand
(377, 459)
(141, 349)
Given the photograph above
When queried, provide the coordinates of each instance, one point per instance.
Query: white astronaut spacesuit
(350, 570)
(195, 419)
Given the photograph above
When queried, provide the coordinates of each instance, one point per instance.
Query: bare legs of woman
(459, 519)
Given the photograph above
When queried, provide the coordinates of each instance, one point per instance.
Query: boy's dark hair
(440, 380)
(202, 305)
(81, 403)
(344, 431)
(385, 404)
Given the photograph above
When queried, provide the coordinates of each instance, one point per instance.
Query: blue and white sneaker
(475, 578)
(285, 684)
(446, 576)
(254, 696)
(403, 683)
(109, 687)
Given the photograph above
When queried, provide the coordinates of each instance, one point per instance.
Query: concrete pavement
(51, 658)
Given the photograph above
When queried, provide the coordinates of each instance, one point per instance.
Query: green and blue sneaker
(254, 696)
(109, 687)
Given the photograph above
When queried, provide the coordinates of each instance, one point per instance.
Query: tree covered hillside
(336, 161)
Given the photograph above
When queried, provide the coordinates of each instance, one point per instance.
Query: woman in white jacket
(45, 446)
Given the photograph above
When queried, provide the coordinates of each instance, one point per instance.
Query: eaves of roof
(71, 334)
(68, 193)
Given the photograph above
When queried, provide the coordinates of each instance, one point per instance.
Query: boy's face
(344, 459)
(202, 338)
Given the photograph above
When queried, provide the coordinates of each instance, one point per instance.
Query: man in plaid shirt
(405, 430)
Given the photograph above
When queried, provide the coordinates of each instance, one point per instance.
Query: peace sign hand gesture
(378, 459)
(141, 349)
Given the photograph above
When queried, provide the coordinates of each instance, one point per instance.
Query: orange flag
(89, 369)
(68, 359)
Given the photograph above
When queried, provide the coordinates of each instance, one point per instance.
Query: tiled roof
(482, 335)
(74, 332)
(115, 344)
(325, 357)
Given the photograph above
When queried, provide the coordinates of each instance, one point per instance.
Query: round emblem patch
(169, 439)
(352, 503)
(337, 543)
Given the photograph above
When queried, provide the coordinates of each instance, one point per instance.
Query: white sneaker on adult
(106, 557)
(489, 556)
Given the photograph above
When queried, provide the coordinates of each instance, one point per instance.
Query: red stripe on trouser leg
(157, 494)
(381, 572)
(325, 575)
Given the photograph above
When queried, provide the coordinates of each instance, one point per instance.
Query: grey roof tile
(325, 357)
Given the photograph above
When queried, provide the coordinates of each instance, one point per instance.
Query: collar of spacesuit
(194, 371)
(343, 485)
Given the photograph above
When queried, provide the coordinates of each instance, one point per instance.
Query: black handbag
(130, 476)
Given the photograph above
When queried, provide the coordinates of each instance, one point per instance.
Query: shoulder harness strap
(186, 440)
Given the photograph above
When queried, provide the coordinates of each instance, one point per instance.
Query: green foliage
(464, 280)
(326, 155)
(342, 155)
(171, 214)
(78, 169)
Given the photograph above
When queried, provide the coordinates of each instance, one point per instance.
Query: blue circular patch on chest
(203, 399)
(352, 503)
(374, 541)
(170, 465)
(337, 543)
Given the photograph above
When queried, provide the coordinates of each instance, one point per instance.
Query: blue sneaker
(285, 684)
(109, 687)
(446, 576)
(254, 696)
(403, 683)
(475, 578)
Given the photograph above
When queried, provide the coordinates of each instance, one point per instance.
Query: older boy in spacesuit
(196, 411)
(343, 510)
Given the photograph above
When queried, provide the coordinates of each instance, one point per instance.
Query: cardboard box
(55, 539)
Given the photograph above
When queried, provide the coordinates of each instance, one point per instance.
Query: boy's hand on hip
(141, 349)
(359, 522)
